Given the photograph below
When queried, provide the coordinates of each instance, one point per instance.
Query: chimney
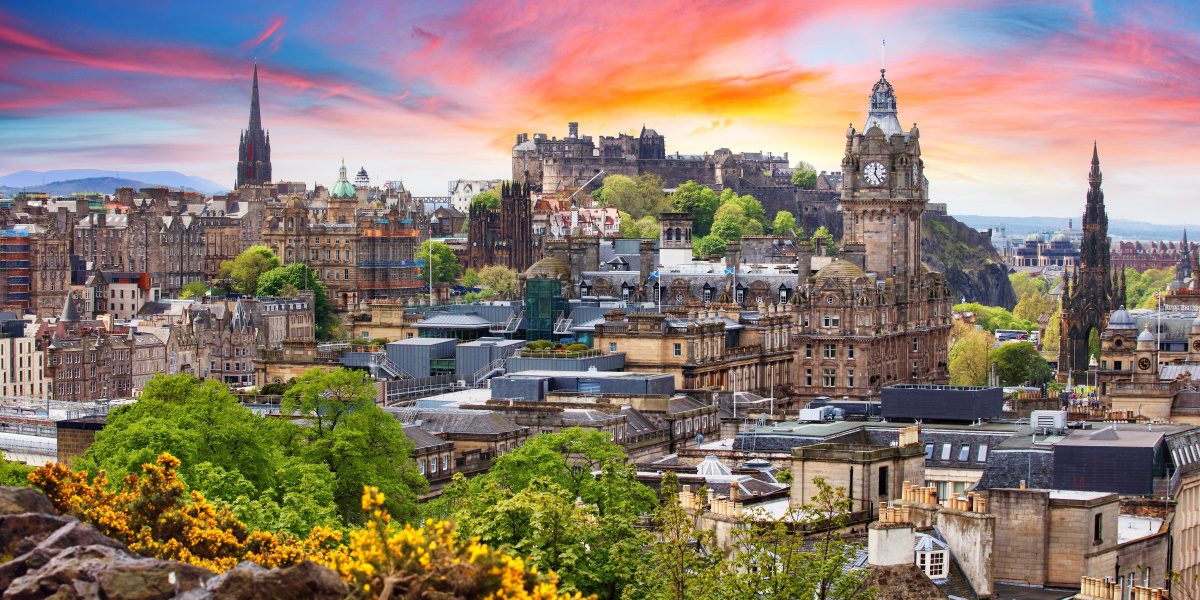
(573, 130)
(890, 544)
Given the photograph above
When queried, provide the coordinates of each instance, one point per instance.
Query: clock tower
(884, 193)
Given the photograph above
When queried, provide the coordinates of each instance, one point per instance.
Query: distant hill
(37, 180)
(104, 185)
(1119, 228)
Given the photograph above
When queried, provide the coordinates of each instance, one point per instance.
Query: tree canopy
(709, 245)
(488, 200)
(969, 356)
(1140, 287)
(193, 289)
(784, 223)
(644, 228)
(445, 265)
(244, 271)
(296, 277)
(276, 474)
(640, 197)
(499, 280)
(805, 179)
(1019, 363)
(992, 318)
(699, 200)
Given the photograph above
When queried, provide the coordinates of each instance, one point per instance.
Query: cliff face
(972, 266)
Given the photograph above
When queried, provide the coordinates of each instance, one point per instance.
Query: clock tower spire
(884, 193)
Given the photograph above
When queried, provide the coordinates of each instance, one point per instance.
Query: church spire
(1094, 176)
(255, 115)
(254, 147)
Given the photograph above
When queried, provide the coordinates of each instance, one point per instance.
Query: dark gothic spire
(254, 148)
(1094, 177)
(255, 115)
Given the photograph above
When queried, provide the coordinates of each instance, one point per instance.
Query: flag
(653, 275)
(729, 270)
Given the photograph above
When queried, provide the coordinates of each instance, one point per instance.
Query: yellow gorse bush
(154, 514)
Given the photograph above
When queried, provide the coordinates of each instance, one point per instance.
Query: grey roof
(1121, 320)
(454, 321)
(421, 341)
(420, 438)
(452, 421)
(1007, 468)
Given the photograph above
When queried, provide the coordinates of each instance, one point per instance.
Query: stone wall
(1022, 519)
(1073, 549)
(972, 540)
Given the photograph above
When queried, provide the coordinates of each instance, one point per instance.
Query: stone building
(360, 250)
(85, 362)
(22, 362)
(1095, 290)
(502, 236)
(1036, 252)
(35, 266)
(1141, 256)
(1151, 375)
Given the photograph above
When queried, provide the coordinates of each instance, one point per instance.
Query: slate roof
(1006, 468)
(474, 422)
(422, 439)
(454, 321)
(903, 582)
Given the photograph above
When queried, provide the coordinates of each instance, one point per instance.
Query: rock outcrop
(972, 266)
(54, 556)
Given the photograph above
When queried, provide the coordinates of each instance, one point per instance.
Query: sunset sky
(1009, 95)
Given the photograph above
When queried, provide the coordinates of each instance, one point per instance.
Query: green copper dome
(343, 188)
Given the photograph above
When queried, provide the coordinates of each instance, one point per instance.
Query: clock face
(1144, 364)
(1196, 345)
(875, 173)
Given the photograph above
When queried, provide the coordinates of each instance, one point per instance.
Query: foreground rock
(55, 556)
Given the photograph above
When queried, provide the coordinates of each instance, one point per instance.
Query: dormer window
(933, 563)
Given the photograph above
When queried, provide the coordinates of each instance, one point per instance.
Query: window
(945, 451)
(829, 378)
(612, 346)
(916, 344)
(933, 563)
(850, 351)
(883, 483)
(421, 466)
(1097, 529)
(981, 455)
(928, 451)
(1117, 365)
(964, 453)
(850, 378)
(678, 349)
(830, 321)
(808, 377)
(433, 465)
(808, 351)
(829, 351)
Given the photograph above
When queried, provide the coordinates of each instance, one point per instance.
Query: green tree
(969, 358)
(244, 271)
(1052, 339)
(751, 207)
(730, 222)
(784, 223)
(487, 200)
(772, 561)
(1019, 363)
(680, 562)
(293, 278)
(804, 176)
(992, 318)
(470, 278)
(1034, 305)
(699, 200)
(641, 196)
(1140, 287)
(193, 289)
(545, 501)
(499, 279)
(644, 228)
(357, 441)
(1024, 283)
(445, 265)
(709, 245)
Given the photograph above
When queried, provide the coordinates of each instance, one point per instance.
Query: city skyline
(1008, 96)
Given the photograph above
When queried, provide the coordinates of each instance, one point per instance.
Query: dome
(1120, 319)
(343, 188)
(550, 268)
(841, 269)
(1145, 335)
(1033, 237)
(1060, 237)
